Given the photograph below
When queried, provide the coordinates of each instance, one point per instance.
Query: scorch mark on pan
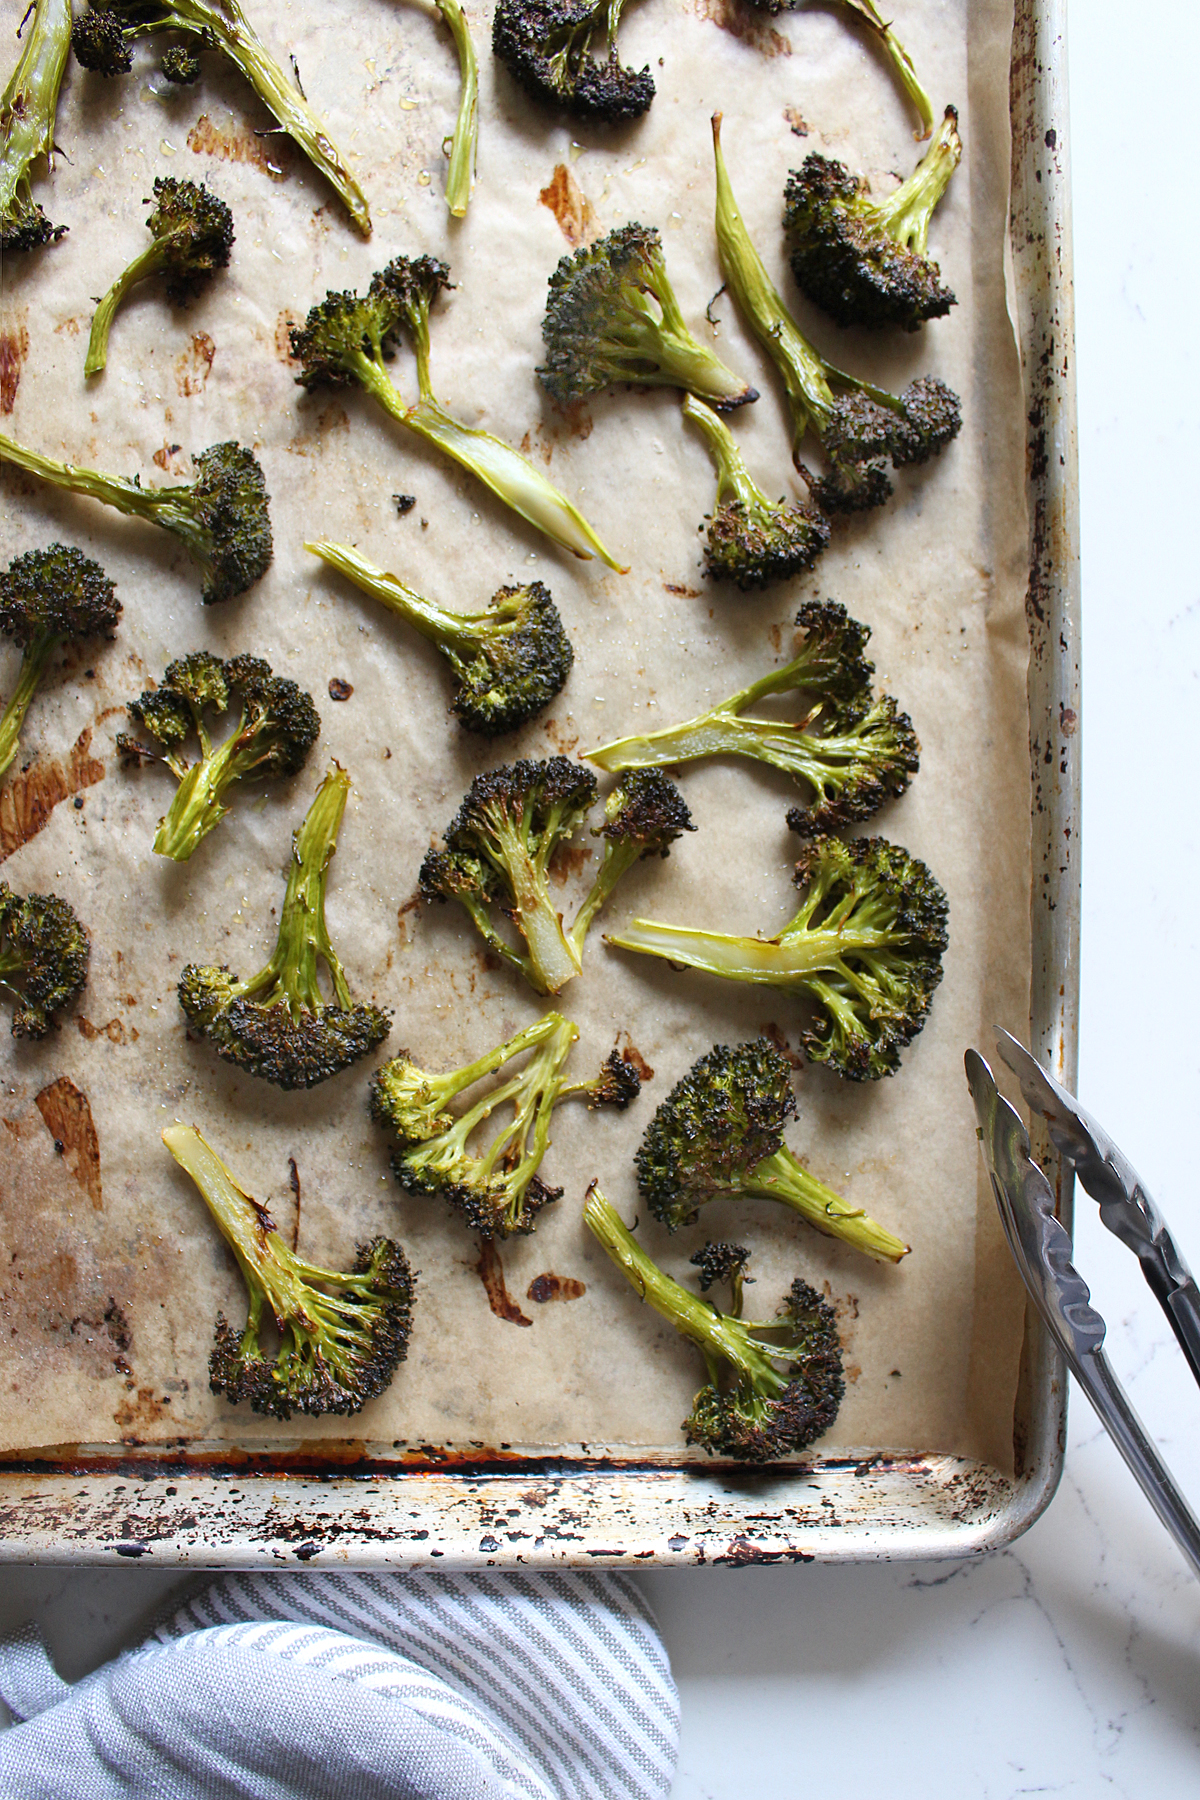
(28, 799)
(68, 1119)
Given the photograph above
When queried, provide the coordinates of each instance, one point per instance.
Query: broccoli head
(719, 1135)
(278, 1024)
(341, 1333)
(546, 45)
(865, 948)
(44, 952)
(724, 1262)
(28, 108)
(49, 598)
(612, 316)
(772, 1387)
(864, 261)
(497, 855)
(179, 66)
(643, 816)
(192, 235)
(752, 540)
(509, 661)
(277, 727)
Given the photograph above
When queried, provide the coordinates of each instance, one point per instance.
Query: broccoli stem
(198, 805)
(442, 627)
(781, 1177)
(466, 129)
(169, 507)
(27, 114)
(905, 214)
(147, 263)
(553, 959)
(33, 666)
(733, 477)
(662, 339)
(793, 959)
(725, 731)
(618, 859)
(869, 13)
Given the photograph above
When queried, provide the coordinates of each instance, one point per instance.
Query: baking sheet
(112, 1273)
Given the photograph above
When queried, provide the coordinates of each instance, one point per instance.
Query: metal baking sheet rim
(506, 1509)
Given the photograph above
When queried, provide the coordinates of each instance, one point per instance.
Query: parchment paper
(110, 1271)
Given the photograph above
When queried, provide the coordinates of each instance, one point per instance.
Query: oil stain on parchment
(28, 799)
(571, 207)
(191, 369)
(67, 1116)
(207, 139)
(739, 20)
(490, 1270)
(14, 348)
(547, 1287)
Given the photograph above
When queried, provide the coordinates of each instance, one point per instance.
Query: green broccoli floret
(643, 816)
(28, 108)
(868, 14)
(192, 233)
(277, 727)
(724, 1262)
(850, 751)
(104, 36)
(221, 518)
(865, 947)
(509, 661)
(546, 45)
(859, 426)
(497, 855)
(179, 66)
(866, 262)
(44, 953)
(341, 1334)
(750, 539)
(719, 1136)
(350, 338)
(612, 316)
(49, 598)
(498, 1190)
(773, 1386)
(278, 1025)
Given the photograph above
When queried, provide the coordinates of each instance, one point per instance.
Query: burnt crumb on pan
(404, 503)
(339, 689)
(68, 1118)
(490, 1271)
(544, 1288)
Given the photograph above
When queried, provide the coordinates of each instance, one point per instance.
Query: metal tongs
(1042, 1250)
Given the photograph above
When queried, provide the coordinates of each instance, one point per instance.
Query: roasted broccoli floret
(49, 598)
(277, 727)
(103, 39)
(278, 1025)
(773, 1386)
(509, 661)
(350, 338)
(869, 15)
(643, 816)
(497, 1190)
(192, 234)
(497, 855)
(179, 66)
(750, 539)
(465, 139)
(724, 1262)
(28, 108)
(719, 1135)
(860, 427)
(341, 1333)
(612, 316)
(865, 261)
(44, 953)
(221, 518)
(850, 751)
(865, 947)
(547, 46)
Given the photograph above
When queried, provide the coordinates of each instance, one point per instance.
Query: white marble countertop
(1070, 1663)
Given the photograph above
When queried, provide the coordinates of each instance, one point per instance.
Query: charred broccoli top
(49, 598)
(643, 816)
(612, 316)
(546, 45)
(509, 661)
(28, 108)
(341, 1334)
(752, 540)
(278, 1024)
(44, 953)
(192, 235)
(773, 1386)
(277, 727)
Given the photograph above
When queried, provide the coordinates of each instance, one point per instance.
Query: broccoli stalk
(509, 661)
(852, 752)
(278, 1024)
(28, 108)
(546, 45)
(719, 1136)
(103, 40)
(859, 426)
(342, 1334)
(44, 954)
(612, 316)
(49, 598)
(750, 1407)
(750, 539)
(192, 234)
(865, 947)
(348, 338)
(221, 518)
(465, 140)
(865, 261)
(277, 728)
(643, 816)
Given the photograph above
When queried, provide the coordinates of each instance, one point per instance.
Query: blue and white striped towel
(330, 1686)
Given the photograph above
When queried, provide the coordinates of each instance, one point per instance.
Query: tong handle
(1095, 1376)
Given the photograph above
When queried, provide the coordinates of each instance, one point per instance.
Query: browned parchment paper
(110, 1272)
